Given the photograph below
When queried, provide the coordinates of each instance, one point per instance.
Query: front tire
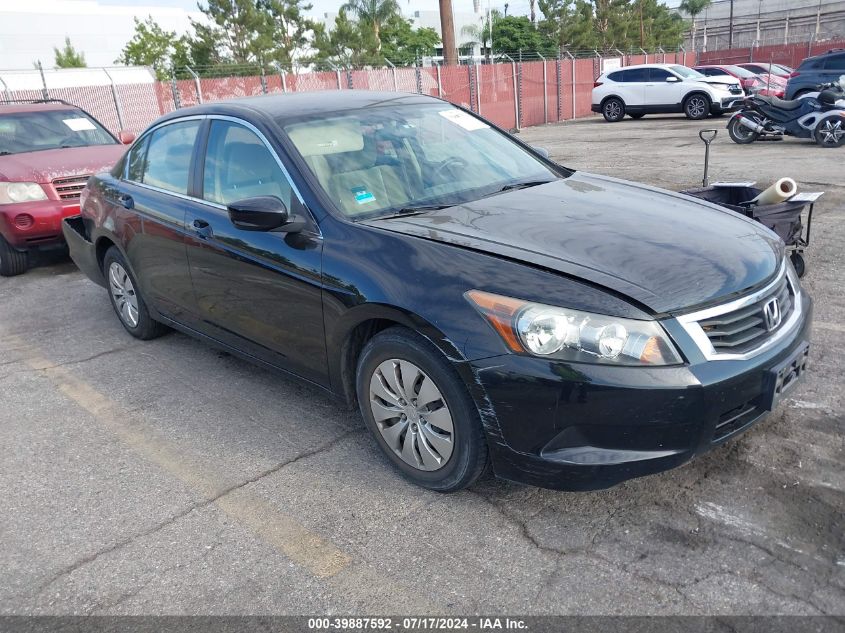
(798, 263)
(696, 107)
(418, 409)
(741, 134)
(12, 261)
(126, 298)
(613, 110)
(830, 133)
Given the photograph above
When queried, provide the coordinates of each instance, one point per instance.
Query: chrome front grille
(70, 187)
(747, 326)
(742, 329)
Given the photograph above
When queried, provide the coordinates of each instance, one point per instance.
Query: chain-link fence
(511, 93)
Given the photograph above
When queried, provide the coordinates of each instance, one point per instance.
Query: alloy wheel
(831, 132)
(123, 294)
(696, 107)
(411, 414)
(613, 110)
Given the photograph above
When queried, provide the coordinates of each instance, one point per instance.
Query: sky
(30, 30)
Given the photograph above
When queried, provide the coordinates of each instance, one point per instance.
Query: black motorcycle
(817, 117)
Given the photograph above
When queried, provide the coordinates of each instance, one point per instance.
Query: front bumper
(46, 228)
(727, 104)
(585, 427)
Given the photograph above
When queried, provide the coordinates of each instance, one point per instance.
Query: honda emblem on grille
(771, 314)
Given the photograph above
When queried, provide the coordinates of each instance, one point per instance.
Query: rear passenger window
(835, 62)
(169, 152)
(636, 74)
(238, 165)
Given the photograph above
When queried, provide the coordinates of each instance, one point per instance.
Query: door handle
(202, 229)
(126, 201)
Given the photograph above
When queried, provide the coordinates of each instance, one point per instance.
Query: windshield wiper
(409, 211)
(5, 153)
(524, 185)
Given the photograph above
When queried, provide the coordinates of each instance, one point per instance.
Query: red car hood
(49, 164)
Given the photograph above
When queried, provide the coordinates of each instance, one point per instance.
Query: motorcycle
(820, 117)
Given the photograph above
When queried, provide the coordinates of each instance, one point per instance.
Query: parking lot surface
(166, 477)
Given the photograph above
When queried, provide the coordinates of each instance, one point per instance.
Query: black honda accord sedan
(481, 304)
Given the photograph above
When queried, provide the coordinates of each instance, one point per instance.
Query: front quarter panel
(372, 273)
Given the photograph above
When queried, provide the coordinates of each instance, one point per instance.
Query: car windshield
(739, 71)
(782, 69)
(22, 132)
(686, 73)
(402, 159)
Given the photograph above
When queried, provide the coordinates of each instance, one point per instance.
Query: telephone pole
(447, 32)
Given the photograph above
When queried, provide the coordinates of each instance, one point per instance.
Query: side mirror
(542, 151)
(261, 213)
(672, 79)
(125, 137)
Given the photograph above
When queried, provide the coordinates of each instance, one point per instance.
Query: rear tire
(12, 261)
(126, 298)
(741, 134)
(429, 428)
(697, 106)
(613, 110)
(830, 132)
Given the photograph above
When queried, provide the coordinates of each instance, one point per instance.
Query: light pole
(731, 27)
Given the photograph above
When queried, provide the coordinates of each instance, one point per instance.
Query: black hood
(666, 251)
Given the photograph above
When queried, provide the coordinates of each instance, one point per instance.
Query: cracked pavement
(170, 478)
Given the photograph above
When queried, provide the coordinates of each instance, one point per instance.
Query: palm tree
(694, 8)
(373, 12)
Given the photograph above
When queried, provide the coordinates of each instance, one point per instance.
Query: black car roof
(296, 104)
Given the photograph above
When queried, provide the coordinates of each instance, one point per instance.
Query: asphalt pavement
(166, 477)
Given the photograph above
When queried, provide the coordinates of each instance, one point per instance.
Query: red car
(778, 70)
(764, 85)
(48, 150)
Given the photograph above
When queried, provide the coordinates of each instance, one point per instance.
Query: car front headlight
(566, 334)
(13, 192)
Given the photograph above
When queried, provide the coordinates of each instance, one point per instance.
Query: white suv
(657, 88)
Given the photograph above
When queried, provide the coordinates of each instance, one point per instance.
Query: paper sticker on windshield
(362, 196)
(79, 124)
(463, 119)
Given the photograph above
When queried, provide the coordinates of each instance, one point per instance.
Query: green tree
(347, 44)
(239, 30)
(605, 25)
(203, 48)
(152, 46)
(513, 33)
(402, 44)
(693, 8)
(373, 13)
(288, 31)
(69, 57)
